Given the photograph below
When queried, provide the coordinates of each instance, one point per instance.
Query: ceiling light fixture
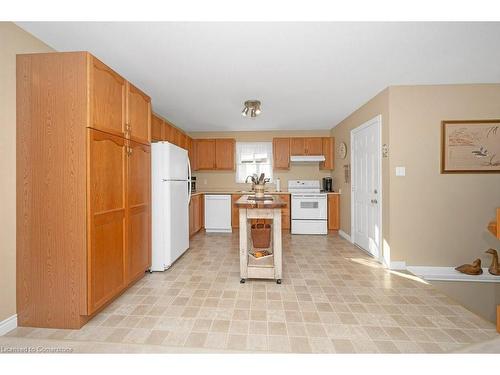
(252, 108)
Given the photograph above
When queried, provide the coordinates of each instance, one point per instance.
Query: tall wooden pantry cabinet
(83, 187)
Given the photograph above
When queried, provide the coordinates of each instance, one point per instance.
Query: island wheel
(278, 281)
(242, 281)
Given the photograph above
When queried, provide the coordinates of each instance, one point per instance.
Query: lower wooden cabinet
(333, 212)
(107, 162)
(119, 212)
(196, 214)
(138, 250)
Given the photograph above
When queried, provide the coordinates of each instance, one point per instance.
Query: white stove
(309, 207)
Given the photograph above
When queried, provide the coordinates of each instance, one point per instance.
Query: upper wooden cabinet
(314, 146)
(224, 154)
(107, 98)
(205, 154)
(306, 146)
(329, 153)
(297, 146)
(281, 153)
(157, 128)
(138, 115)
(213, 154)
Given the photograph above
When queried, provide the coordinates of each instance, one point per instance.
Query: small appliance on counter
(327, 184)
(193, 184)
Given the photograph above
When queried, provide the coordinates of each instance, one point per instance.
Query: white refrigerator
(171, 194)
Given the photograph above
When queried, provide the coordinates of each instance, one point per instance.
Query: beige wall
(13, 40)
(438, 219)
(216, 180)
(379, 105)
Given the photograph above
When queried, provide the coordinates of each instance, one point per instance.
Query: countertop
(230, 192)
(244, 202)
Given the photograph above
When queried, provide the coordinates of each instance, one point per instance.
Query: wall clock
(342, 150)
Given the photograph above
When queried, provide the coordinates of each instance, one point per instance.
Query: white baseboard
(344, 235)
(8, 324)
(398, 265)
(450, 274)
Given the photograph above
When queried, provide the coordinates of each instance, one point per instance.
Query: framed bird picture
(470, 146)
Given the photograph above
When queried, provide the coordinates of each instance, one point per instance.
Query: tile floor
(334, 299)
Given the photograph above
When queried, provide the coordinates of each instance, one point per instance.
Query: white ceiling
(307, 75)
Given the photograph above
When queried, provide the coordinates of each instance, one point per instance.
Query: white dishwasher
(217, 213)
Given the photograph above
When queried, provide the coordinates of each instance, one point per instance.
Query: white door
(365, 186)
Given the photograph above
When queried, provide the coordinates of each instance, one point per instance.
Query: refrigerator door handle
(189, 180)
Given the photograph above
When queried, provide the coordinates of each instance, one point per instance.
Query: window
(253, 157)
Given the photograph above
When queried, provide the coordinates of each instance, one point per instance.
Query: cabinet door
(107, 217)
(333, 212)
(314, 146)
(328, 153)
(107, 98)
(235, 212)
(191, 217)
(174, 135)
(167, 132)
(138, 114)
(224, 154)
(297, 146)
(285, 212)
(138, 254)
(205, 154)
(281, 153)
(157, 128)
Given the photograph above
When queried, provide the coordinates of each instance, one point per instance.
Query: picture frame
(470, 146)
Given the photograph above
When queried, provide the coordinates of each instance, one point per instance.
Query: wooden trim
(443, 126)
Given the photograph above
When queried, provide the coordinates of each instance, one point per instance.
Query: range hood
(307, 158)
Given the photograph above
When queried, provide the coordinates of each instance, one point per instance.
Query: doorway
(366, 186)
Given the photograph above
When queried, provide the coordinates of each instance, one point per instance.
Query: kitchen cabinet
(138, 252)
(107, 212)
(107, 94)
(224, 154)
(196, 214)
(333, 212)
(314, 146)
(83, 197)
(205, 154)
(281, 153)
(157, 128)
(138, 121)
(214, 154)
(167, 132)
(235, 214)
(328, 151)
(285, 212)
(297, 146)
(306, 146)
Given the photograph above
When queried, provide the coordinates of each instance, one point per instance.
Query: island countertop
(274, 202)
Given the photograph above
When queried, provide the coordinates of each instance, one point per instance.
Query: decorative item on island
(471, 269)
(494, 267)
(258, 184)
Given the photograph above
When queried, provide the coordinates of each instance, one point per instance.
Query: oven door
(309, 207)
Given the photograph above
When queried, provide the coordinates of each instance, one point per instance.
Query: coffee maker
(327, 184)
